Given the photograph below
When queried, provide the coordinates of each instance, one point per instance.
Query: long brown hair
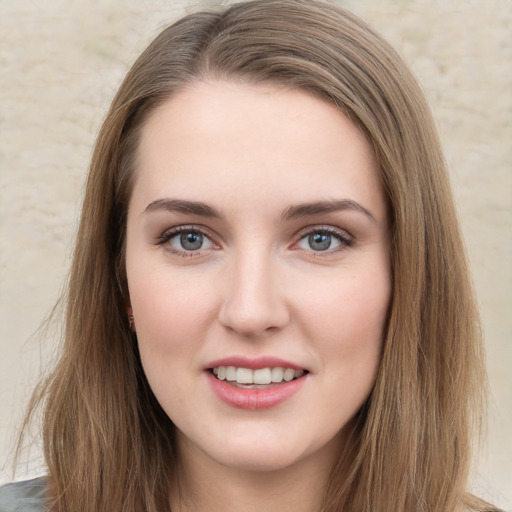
(108, 444)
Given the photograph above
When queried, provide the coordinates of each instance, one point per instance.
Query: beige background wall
(61, 61)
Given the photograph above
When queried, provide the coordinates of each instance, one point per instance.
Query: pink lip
(253, 399)
(253, 364)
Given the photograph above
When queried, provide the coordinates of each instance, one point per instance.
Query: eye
(190, 241)
(324, 240)
(185, 240)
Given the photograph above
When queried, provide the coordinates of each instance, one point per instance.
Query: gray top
(27, 496)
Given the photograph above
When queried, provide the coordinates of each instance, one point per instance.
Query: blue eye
(185, 240)
(323, 240)
(190, 241)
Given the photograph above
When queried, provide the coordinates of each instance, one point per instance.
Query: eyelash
(168, 235)
(345, 240)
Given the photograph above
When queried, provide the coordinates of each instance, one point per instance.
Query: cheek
(169, 319)
(347, 322)
(170, 308)
(351, 312)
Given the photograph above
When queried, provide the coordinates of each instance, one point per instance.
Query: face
(258, 271)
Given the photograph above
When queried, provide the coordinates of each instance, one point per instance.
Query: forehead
(236, 140)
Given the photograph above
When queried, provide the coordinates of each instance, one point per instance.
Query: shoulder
(27, 496)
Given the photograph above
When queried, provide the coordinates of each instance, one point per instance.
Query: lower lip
(254, 399)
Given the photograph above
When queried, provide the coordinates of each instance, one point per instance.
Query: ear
(131, 319)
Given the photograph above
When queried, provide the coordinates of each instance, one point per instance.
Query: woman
(269, 304)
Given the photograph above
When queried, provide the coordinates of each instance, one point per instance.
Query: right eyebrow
(183, 206)
(321, 207)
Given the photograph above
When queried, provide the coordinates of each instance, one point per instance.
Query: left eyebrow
(183, 206)
(320, 207)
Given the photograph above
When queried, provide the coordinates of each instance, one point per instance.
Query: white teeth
(288, 374)
(261, 376)
(277, 374)
(230, 373)
(244, 376)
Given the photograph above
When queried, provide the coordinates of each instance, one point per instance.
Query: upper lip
(253, 363)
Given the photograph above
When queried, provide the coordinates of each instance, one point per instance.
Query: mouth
(255, 383)
(262, 378)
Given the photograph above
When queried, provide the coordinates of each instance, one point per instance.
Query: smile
(255, 389)
(264, 376)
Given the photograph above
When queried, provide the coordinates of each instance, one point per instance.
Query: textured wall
(61, 62)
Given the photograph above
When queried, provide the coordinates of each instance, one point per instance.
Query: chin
(257, 460)
(268, 451)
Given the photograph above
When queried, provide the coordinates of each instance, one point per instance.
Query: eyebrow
(293, 212)
(321, 207)
(182, 206)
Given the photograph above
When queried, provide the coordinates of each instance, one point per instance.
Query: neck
(204, 484)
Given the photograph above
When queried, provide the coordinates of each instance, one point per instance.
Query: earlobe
(131, 319)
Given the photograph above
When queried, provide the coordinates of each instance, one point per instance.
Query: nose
(254, 304)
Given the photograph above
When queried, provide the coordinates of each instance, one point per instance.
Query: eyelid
(170, 233)
(342, 235)
(345, 238)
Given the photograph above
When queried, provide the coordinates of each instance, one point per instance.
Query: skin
(258, 286)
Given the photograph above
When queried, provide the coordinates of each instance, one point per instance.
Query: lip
(254, 399)
(253, 364)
